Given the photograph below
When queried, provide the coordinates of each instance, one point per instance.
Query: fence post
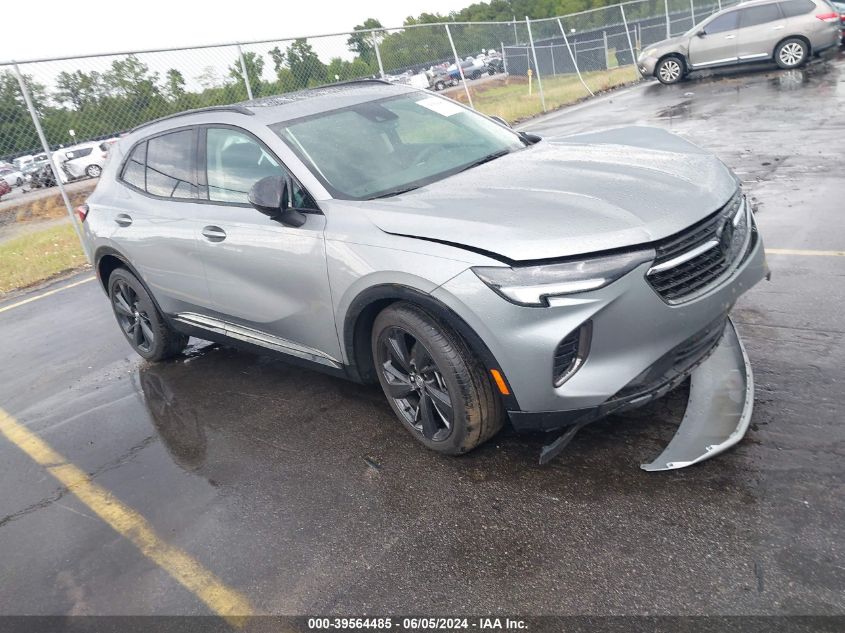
(504, 58)
(46, 147)
(606, 50)
(536, 65)
(668, 22)
(720, 4)
(692, 11)
(572, 57)
(378, 55)
(552, 53)
(243, 70)
(628, 35)
(458, 64)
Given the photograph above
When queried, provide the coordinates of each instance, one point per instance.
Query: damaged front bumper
(717, 415)
(719, 408)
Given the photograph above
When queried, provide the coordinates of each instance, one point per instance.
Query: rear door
(715, 42)
(761, 27)
(156, 221)
(268, 281)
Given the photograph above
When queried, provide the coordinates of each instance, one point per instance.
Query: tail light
(828, 17)
(81, 212)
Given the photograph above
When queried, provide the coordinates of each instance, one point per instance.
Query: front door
(268, 282)
(715, 41)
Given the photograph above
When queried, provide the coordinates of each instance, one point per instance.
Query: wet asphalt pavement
(304, 494)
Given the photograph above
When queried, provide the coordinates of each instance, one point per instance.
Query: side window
(752, 16)
(726, 22)
(170, 165)
(792, 8)
(235, 161)
(79, 153)
(133, 170)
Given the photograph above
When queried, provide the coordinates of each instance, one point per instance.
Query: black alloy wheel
(133, 319)
(415, 384)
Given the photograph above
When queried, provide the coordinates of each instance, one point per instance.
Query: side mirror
(271, 196)
(701, 33)
(500, 120)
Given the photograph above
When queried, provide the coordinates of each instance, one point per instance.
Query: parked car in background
(84, 160)
(4, 188)
(22, 161)
(840, 7)
(35, 166)
(42, 177)
(477, 273)
(12, 177)
(785, 31)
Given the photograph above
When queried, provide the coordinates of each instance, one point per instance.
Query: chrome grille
(689, 263)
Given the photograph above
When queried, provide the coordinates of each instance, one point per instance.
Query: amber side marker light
(500, 382)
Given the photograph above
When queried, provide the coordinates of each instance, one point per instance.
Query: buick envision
(479, 274)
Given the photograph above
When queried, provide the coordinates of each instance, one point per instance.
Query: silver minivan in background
(786, 31)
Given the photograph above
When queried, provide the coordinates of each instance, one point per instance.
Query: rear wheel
(435, 385)
(93, 171)
(791, 53)
(440, 85)
(669, 70)
(140, 320)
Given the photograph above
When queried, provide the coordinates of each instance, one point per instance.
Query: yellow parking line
(798, 251)
(46, 294)
(222, 600)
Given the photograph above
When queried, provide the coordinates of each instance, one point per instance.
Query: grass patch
(49, 207)
(37, 256)
(511, 101)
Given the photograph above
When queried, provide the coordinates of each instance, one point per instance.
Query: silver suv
(388, 235)
(786, 31)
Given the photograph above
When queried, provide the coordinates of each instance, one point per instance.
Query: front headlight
(533, 285)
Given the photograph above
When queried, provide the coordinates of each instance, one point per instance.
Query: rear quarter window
(792, 8)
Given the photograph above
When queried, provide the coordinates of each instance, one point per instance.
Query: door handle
(730, 37)
(122, 219)
(213, 233)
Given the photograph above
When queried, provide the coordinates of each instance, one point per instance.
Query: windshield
(389, 146)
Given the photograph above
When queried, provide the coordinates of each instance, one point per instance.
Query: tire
(670, 70)
(19, 182)
(439, 86)
(93, 171)
(791, 53)
(476, 74)
(139, 319)
(437, 388)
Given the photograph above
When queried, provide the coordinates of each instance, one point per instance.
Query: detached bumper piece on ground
(718, 411)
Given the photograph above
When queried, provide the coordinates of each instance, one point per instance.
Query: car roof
(293, 105)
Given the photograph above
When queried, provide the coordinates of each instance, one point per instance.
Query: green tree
(304, 64)
(254, 64)
(174, 84)
(362, 43)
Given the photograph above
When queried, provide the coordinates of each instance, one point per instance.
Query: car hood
(565, 196)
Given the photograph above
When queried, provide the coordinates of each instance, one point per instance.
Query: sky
(62, 28)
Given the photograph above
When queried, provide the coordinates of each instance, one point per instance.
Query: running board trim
(257, 337)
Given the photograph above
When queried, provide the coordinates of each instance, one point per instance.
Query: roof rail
(220, 108)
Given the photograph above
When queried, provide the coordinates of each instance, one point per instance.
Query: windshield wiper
(485, 159)
(395, 192)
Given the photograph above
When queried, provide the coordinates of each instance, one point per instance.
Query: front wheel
(93, 171)
(791, 53)
(140, 320)
(435, 385)
(669, 71)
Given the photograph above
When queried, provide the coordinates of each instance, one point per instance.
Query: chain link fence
(75, 107)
